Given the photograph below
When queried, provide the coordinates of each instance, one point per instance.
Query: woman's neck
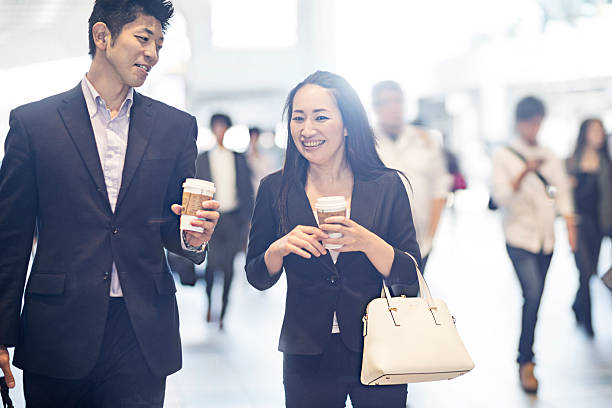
(330, 173)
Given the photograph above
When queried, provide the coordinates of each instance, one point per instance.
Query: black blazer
(244, 186)
(317, 287)
(51, 175)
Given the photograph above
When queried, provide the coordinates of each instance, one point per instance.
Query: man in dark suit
(98, 169)
(232, 177)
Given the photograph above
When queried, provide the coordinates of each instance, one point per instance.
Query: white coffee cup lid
(199, 184)
(331, 203)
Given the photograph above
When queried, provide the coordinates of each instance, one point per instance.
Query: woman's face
(595, 135)
(316, 125)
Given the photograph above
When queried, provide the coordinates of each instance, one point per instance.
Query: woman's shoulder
(387, 180)
(272, 181)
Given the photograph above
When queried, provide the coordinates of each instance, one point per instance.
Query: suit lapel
(364, 204)
(141, 125)
(300, 213)
(76, 119)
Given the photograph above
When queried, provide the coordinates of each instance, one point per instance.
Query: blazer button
(333, 280)
(115, 230)
(105, 275)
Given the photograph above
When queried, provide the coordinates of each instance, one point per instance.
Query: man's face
(528, 129)
(389, 107)
(135, 51)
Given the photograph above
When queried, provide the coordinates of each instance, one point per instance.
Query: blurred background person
(529, 216)
(591, 175)
(232, 177)
(261, 161)
(413, 151)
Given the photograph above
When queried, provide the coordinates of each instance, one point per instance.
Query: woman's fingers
(312, 231)
(304, 244)
(347, 222)
(298, 251)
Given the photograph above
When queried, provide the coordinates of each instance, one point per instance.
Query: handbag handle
(423, 290)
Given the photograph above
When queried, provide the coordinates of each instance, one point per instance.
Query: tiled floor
(240, 367)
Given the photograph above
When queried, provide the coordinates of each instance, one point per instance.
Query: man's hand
(208, 218)
(5, 365)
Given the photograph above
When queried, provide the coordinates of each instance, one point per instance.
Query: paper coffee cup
(331, 206)
(195, 192)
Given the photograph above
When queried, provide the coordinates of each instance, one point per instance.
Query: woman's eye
(321, 117)
(298, 119)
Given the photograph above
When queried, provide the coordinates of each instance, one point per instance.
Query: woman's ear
(101, 35)
(345, 132)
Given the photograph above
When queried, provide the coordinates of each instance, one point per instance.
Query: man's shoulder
(162, 108)
(49, 103)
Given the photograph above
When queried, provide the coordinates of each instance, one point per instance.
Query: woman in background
(591, 172)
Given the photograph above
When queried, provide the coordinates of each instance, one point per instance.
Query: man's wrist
(190, 247)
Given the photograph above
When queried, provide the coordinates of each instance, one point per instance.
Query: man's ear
(101, 35)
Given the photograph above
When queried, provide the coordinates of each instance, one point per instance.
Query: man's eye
(141, 38)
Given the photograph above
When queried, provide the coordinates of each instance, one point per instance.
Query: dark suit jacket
(244, 186)
(317, 287)
(52, 175)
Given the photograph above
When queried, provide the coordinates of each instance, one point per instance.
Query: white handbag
(409, 340)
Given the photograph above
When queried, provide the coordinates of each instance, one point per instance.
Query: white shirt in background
(421, 159)
(223, 172)
(529, 213)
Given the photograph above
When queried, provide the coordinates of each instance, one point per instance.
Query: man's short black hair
(220, 117)
(117, 13)
(381, 86)
(529, 108)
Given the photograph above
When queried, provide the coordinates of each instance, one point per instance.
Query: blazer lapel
(364, 205)
(300, 213)
(141, 125)
(76, 119)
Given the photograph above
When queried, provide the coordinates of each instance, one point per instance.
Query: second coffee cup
(195, 192)
(331, 206)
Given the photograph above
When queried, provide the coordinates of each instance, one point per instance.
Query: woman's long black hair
(359, 147)
(582, 141)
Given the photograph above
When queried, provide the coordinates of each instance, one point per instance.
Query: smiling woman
(330, 152)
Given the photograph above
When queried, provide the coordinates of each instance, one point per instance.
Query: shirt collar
(94, 100)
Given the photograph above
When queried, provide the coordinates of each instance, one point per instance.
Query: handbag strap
(423, 290)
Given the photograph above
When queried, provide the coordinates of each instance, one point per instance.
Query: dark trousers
(587, 256)
(120, 377)
(228, 239)
(325, 380)
(531, 269)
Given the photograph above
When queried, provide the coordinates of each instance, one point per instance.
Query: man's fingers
(209, 215)
(210, 205)
(5, 365)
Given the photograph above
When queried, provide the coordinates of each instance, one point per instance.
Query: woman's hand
(357, 238)
(302, 240)
(354, 236)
